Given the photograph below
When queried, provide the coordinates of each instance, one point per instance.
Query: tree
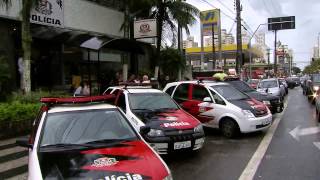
(169, 13)
(296, 70)
(171, 60)
(314, 67)
(26, 40)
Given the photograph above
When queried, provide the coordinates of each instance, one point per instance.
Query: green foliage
(17, 111)
(314, 67)
(296, 70)
(34, 97)
(171, 61)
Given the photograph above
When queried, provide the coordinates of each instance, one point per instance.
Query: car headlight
(198, 129)
(169, 177)
(155, 133)
(248, 114)
(266, 102)
(316, 88)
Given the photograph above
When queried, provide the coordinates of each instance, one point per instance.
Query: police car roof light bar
(145, 85)
(74, 100)
(201, 79)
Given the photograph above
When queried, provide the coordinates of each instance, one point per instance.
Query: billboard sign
(48, 12)
(209, 18)
(146, 28)
(281, 23)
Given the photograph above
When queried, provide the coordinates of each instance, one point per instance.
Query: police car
(172, 129)
(84, 138)
(220, 105)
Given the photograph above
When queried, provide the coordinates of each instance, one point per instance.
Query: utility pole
(275, 52)
(268, 53)
(213, 50)
(239, 59)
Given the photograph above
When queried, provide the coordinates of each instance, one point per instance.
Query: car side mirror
(24, 142)
(144, 130)
(207, 99)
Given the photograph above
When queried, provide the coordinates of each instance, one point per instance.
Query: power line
(220, 10)
(226, 6)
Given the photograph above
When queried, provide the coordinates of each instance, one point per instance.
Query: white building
(189, 43)
(226, 38)
(316, 50)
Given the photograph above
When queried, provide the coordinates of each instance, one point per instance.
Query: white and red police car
(84, 138)
(220, 105)
(172, 129)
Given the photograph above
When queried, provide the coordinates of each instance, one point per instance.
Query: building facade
(189, 43)
(59, 30)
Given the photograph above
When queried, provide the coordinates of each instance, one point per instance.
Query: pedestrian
(78, 91)
(82, 90)
(145, 79)
(132, 78)
(86, 89)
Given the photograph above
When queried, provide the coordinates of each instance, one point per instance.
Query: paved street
(292, 154)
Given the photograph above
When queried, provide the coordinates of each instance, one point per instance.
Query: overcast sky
(255, 12)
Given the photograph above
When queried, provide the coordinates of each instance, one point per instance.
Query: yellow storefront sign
(230, 47)
(208, 19)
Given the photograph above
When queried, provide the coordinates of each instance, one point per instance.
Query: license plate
(182, 145)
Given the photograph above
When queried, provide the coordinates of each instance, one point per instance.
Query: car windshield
(151, 101)
(80, 127)
(316, 78)
(241, 86)
(268, 84)
(230, 93)
(253, 81)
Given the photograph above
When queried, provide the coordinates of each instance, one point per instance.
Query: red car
(85, 138)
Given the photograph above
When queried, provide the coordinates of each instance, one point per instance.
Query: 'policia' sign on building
(48, 12)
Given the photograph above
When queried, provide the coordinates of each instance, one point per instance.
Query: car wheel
(317, 115)
(280, 108)
(229, 128)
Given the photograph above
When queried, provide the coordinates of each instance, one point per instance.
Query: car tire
(229, 128)
(317, 115)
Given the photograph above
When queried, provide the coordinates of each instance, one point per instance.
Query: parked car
(272, 86)
(317, 103)
(312, 86)
(220, 105)
(253, 83)
(274, 103)
(284, 83)
(172, 129)
(73, 138)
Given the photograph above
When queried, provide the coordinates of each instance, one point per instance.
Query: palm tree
(169, 13)
(26, 40)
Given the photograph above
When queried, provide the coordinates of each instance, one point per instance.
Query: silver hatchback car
(272, 86)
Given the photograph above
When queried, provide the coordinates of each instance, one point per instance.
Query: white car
(172, 129)
(220, 105)
(272, 86)
(73, 138)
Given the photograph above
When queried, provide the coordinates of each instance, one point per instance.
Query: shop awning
(87, 40)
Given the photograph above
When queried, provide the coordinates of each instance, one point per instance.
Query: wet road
(293, 158)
